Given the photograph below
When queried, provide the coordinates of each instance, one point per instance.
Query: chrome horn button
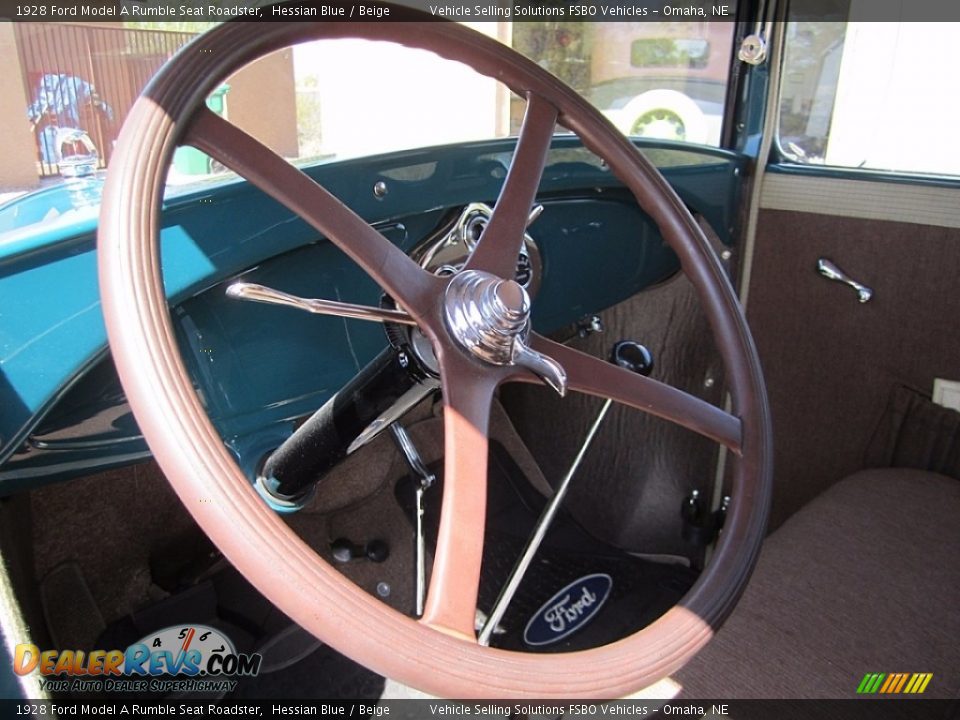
(490, 318)
(487, 314)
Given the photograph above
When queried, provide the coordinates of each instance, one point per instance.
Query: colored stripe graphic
(894, 683)
(918, 683)
(870, 683)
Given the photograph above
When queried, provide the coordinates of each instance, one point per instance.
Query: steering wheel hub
(487, 315)
(490, 319)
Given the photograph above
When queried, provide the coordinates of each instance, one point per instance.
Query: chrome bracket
(755, 47)
(490, 319)
(446, 252)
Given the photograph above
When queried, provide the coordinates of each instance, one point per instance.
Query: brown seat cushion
(866, 578)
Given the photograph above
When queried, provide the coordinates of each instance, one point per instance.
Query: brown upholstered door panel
(831, 362)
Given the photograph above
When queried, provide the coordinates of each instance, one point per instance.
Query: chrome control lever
(830, 271)
(546, 368)
(534, 214)
(264, 294)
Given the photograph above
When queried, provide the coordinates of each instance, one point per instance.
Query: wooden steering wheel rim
(257, 541)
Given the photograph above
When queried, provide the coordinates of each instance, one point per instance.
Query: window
(691, 53)
(335, 99)
(665, 80)
(871, 95)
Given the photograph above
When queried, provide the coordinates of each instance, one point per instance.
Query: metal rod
(421, 566)
(425, 479)
(388, 417)
(534, 214)
(539, 532)
(263, 294)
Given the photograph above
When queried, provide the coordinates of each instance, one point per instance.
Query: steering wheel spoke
(452, 598)
(593, 376)
(412, 287)
(502, 240)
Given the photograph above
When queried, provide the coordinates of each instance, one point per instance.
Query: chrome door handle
(832, 272)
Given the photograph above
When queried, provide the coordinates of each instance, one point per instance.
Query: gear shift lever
(630, 356)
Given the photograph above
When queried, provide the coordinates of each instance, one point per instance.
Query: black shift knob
(632, 356)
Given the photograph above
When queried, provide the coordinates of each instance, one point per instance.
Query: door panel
(831, 363)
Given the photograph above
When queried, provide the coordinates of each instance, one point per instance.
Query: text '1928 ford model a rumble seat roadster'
(470, 400)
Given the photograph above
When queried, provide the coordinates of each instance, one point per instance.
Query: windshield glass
(73, 84)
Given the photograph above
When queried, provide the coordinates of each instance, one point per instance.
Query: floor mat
(323, 675)
(641, 592)
(172, 575)
(73, 619)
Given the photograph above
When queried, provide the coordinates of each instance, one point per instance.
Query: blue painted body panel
(260, 366)
(65, 202)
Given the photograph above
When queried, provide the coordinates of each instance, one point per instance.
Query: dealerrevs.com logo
(192, 658)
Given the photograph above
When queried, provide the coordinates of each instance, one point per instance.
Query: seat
(864, 579)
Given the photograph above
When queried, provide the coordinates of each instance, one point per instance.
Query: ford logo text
(569, 610)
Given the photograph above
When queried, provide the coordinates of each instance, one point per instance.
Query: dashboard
(260, 369)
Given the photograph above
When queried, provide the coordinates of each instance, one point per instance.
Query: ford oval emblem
(568, 610)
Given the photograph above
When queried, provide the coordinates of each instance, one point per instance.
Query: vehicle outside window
(664, 80)
(871, 95)
(336, 99)
(661, 80)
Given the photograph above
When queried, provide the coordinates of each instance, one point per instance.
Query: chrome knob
(490, 318)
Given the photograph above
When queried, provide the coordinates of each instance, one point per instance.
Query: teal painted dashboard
(259, 368)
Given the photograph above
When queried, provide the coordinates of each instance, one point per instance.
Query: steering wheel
(438, 653)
